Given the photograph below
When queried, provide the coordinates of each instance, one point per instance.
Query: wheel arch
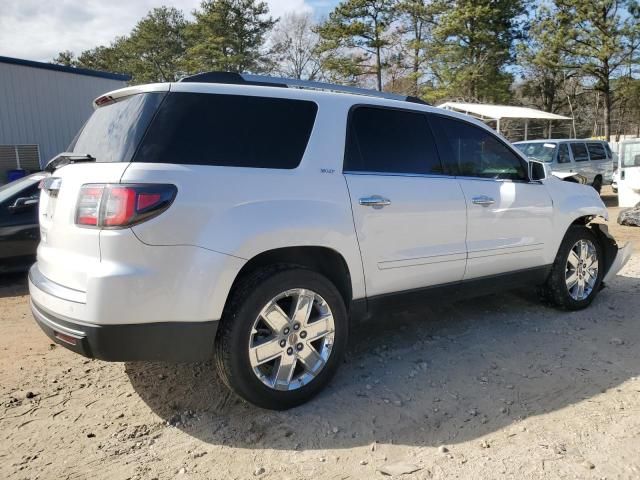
(601, 231)
(324, 260)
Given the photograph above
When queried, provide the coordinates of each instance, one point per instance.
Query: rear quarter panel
(246, 211)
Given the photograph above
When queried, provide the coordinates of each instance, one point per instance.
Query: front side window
(471, 151)
(596, 151)
(228, 130)
(386, 140)
(563, 154)
(579, 151)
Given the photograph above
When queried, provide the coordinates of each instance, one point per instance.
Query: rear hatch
(108, 140)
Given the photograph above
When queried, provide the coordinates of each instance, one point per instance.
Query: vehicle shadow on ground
(446, 374)
(609, 199)
(13, 284)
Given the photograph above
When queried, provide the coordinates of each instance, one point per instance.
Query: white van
(593, 159)
(629, 174)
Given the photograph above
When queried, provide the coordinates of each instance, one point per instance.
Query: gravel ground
(495, 387)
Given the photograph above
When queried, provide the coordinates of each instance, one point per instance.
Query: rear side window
(596, 151)
(471, 151)
(386, 140)
(113, 131)
(229, 130)
(579, 151)
(563, 153)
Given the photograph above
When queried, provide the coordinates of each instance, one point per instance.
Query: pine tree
(474, 42)
(599, 37)
(228, 35)
(356, 33)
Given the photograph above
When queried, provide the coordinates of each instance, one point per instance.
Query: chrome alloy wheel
(582, 269)
(291, 340)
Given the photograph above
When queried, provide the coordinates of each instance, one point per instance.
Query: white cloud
(38, 30)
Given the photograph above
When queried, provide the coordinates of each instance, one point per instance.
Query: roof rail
(268, 81)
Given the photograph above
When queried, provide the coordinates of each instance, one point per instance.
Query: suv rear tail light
(121, 206)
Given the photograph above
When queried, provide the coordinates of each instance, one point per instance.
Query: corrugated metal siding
(45, 107)
(25, 157)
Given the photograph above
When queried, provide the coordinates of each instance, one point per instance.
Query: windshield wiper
(65, 158)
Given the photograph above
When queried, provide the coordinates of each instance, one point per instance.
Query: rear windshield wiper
(65, 158)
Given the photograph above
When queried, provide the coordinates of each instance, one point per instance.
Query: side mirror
(537, 171)
(23, 203)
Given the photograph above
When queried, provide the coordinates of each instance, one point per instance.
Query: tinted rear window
(390, 141)
(113, 131)
(229, 130)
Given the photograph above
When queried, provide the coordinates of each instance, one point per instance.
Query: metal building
(42, 107)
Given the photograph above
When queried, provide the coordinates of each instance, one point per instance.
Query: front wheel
(282, 337)
(577, 273)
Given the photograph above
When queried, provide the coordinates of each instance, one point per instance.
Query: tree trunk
(607, 113)
(416, 56)
(378, 68)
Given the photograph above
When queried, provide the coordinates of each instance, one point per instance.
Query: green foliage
(418, 19)
(357, 34)
(599, 38)
(228, 35)
(574, 57)
(541, 61)
(156, 46)
(474, 42)
(66, 58)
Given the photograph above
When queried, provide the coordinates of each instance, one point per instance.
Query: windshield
(630, 156)
(538, 150)
(15, 187)
(113, 131)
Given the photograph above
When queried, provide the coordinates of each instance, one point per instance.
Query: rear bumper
(61, 312)
(171, 341)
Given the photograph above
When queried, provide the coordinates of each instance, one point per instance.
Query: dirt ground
(496, 387)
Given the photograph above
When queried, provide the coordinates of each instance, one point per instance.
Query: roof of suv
(316, 95)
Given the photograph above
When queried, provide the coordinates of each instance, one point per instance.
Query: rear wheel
(282, 337)
(577, 273)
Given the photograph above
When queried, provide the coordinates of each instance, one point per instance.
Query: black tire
(249, 297)
(597, 184)
(555, 290)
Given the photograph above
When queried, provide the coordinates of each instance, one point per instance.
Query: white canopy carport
(486, 111)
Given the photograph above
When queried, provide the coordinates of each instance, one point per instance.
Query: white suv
(225, 215)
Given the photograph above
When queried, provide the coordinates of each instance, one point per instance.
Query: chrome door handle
(375, 201)
(483, 200)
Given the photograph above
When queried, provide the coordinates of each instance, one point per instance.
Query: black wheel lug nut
(289, 351)
(296, 326)
(283, 343)
(286, 330)
(299, 346)
(303, 334)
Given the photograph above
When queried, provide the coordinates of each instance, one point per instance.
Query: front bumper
(622, 257)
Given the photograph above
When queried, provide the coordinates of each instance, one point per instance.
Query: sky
(39, 29)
